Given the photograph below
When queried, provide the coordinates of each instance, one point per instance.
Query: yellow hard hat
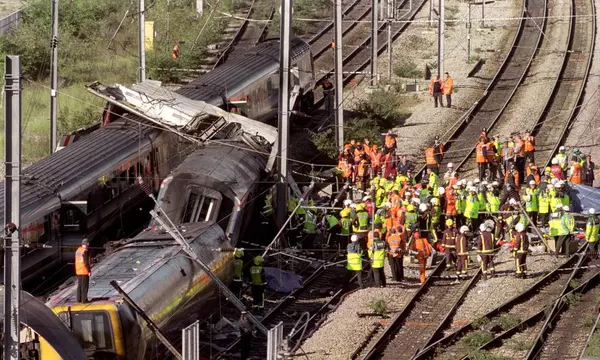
(449, 222)
(345, 212)
(410, 207)
(238, 253)
(258, 260)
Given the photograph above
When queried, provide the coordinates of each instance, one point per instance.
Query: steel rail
(262, 35)
(236, 37)
(589, 337)
(535, 318)
(464, 120)
(521, 78)
(399, 318)
(551, 316)
(565, 84)
(430, 350)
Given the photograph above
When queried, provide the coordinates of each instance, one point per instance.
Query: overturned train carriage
(249, 84)
(207, 196)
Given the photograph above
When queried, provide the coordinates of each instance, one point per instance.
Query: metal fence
(9, 22)
(274, 340)
(191, 342)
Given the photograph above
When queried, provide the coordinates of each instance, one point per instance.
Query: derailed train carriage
(207, 195)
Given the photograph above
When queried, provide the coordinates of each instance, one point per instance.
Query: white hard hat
(368, 197)
(347, 202)
(423, 207)
(476, 181)
(554, 161)
(388, 204)
(482, 227)
(464, 229)
(484, 182)
(354, 238)
(495, 183)
(441, 190)
(353, 206)
(416, 200)
(565, 208)
(519, 227)
(434, 201)
(549, 186)
(554, 215)
(512, 201)
(489, 223)
(562, 148)
(490, 187)
(559, 184)
(469, 183)
(531, 182)
(450, 165)
(592, 211)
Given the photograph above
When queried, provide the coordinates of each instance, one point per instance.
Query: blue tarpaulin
(282, 281)
(583, 198)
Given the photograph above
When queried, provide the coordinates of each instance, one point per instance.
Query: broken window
(202, 205)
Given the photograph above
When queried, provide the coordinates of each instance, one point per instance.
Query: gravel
(487, 295)
(517, 346)
(419, 45)
(584, 129)
(530, 98)
(7, 7)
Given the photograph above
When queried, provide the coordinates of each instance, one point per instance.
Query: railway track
(541, 319)
(322, 289)
(543, 291)
(358, 43)
(562, 108)
(460, 144)
(590, 348)
(421, 320)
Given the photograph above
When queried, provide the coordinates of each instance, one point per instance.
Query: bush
(484, 355)
(480, 322)
(379, 306)
(477, 339)
(353, 129)
(408, 69)
(508, 321)
(593, 349)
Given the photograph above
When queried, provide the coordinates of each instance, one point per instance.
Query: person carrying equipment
(238, 272)
(83, 271)
(397, 246)
(354, 260)
(521, 247)
(377, 252)
(422, 250)
(259, 282)
(591, 233)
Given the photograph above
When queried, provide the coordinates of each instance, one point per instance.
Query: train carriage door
(74, 221)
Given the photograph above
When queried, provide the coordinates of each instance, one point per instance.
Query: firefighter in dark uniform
(485, 248)
(449, 243)
(257, 276)
(328, 95)
(238, 272)
(83, 271)
(462, 251)
(520, 249)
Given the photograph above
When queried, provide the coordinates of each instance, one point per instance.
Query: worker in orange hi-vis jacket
(421, 249)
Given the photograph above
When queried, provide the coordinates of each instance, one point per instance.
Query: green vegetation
(484, 355)
(303, 9)
(589, 321)
(593, 349)
(508, 321)
(477, 339)
(480, 322)
(572, 298)
(382, 110)
(408, 69)
(86, 54)
(574, 283)
(379, 306)
(521, 345)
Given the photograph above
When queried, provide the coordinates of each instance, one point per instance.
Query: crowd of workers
(399, 215)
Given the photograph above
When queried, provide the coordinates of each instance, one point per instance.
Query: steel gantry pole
(141, 41)
(374, 24)
(12, 200)
(284, 104)
(339, 77)
(54, 76)
(482, 13)
(441, 28)
(389, 48)
(469, 34)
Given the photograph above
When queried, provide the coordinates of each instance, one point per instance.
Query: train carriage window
(202, 205)
(131, 176)
(91, 328)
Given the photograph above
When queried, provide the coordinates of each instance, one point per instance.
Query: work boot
(485, 277)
